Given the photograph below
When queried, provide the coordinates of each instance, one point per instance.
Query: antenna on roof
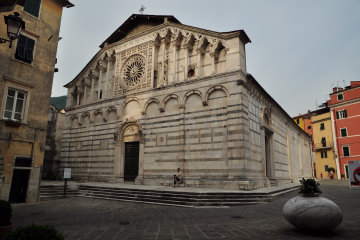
(142, 9)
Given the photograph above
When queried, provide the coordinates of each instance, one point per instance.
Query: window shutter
(20, 50)
(32, 7)
(337, 114)
(30, 49)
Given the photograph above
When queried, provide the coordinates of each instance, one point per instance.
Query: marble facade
(184, 95)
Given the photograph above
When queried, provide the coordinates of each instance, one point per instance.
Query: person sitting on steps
(177, 177)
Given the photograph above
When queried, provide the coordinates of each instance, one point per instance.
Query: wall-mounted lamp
(14, 27)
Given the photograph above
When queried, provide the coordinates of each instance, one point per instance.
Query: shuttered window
(341, 114)
(25, 49)
(32, 7)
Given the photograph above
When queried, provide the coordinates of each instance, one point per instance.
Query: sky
(299, 50)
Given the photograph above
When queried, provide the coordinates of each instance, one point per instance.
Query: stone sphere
(312, 213)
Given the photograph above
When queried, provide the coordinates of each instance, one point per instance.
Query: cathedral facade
(160, 95)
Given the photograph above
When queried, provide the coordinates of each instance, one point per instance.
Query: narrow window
(100, 94)
(346, 151)
(155, 79)
(343, 132)
(340, 97)
(25, 49)
(297, 121)
(322, 126)
(326, 167)
(15, 104)
(325, 154)
(191, 73)
(341, 114)
(32, 7)
(323, 141)
(322, 154)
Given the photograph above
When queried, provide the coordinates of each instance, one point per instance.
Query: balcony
(321, 146)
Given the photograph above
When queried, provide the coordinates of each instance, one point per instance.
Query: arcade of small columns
(187, 44)
(91, 81)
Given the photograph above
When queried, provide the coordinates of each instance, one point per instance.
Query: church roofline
(225, 35)
(120, 32)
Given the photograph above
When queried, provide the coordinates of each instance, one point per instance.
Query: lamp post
(14, 27)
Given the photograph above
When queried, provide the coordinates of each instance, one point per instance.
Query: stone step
(172, 198)
(166, 197)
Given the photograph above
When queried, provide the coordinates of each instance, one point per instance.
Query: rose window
(133, 70)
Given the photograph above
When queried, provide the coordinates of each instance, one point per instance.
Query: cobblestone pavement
(81, 218)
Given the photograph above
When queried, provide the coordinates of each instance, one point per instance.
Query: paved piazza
(80, 218)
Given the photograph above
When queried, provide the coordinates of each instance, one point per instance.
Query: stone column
(78, 99)
(140, 177)
(153, 64)
(85, 92)
(92, 90)
(174, 64)
(99, 84)
(199, 63)
(212, 62)
(163, 61)
(107, 79)
(186, 65)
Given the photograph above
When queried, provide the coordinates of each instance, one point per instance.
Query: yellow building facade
(323, 145)
(26, 75)
(300, 122)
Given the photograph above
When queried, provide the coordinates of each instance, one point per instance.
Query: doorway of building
(19, 185)
(267, 155)
(131, 169)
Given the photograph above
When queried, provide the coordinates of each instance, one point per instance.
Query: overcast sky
(299, 49)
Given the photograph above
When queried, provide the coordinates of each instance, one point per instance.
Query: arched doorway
(131, 141)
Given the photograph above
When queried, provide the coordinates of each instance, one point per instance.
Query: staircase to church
(50, 192)
(165, 197)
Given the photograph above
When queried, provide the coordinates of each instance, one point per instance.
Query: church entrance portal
(131, 161)
(267, 155)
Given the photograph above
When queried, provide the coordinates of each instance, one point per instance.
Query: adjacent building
(160, 95)
(344, 106)
(323, 145)
(53, 138)
(26, 75)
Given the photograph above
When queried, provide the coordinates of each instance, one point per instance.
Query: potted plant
(5, 218)
(311, 212)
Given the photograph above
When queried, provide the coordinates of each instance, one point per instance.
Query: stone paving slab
(82, 218)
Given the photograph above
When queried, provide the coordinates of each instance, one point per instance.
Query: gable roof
(121, 36)
(134, 20)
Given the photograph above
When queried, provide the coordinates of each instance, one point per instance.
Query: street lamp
(14, 27)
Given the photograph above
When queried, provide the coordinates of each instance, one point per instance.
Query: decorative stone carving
(131, 130)
(165, 75)
(133, 70)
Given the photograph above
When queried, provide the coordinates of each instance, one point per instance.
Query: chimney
(334, 89)
(340, 88)
(165, 19)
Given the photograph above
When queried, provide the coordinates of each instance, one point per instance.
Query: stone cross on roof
(142, 9)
